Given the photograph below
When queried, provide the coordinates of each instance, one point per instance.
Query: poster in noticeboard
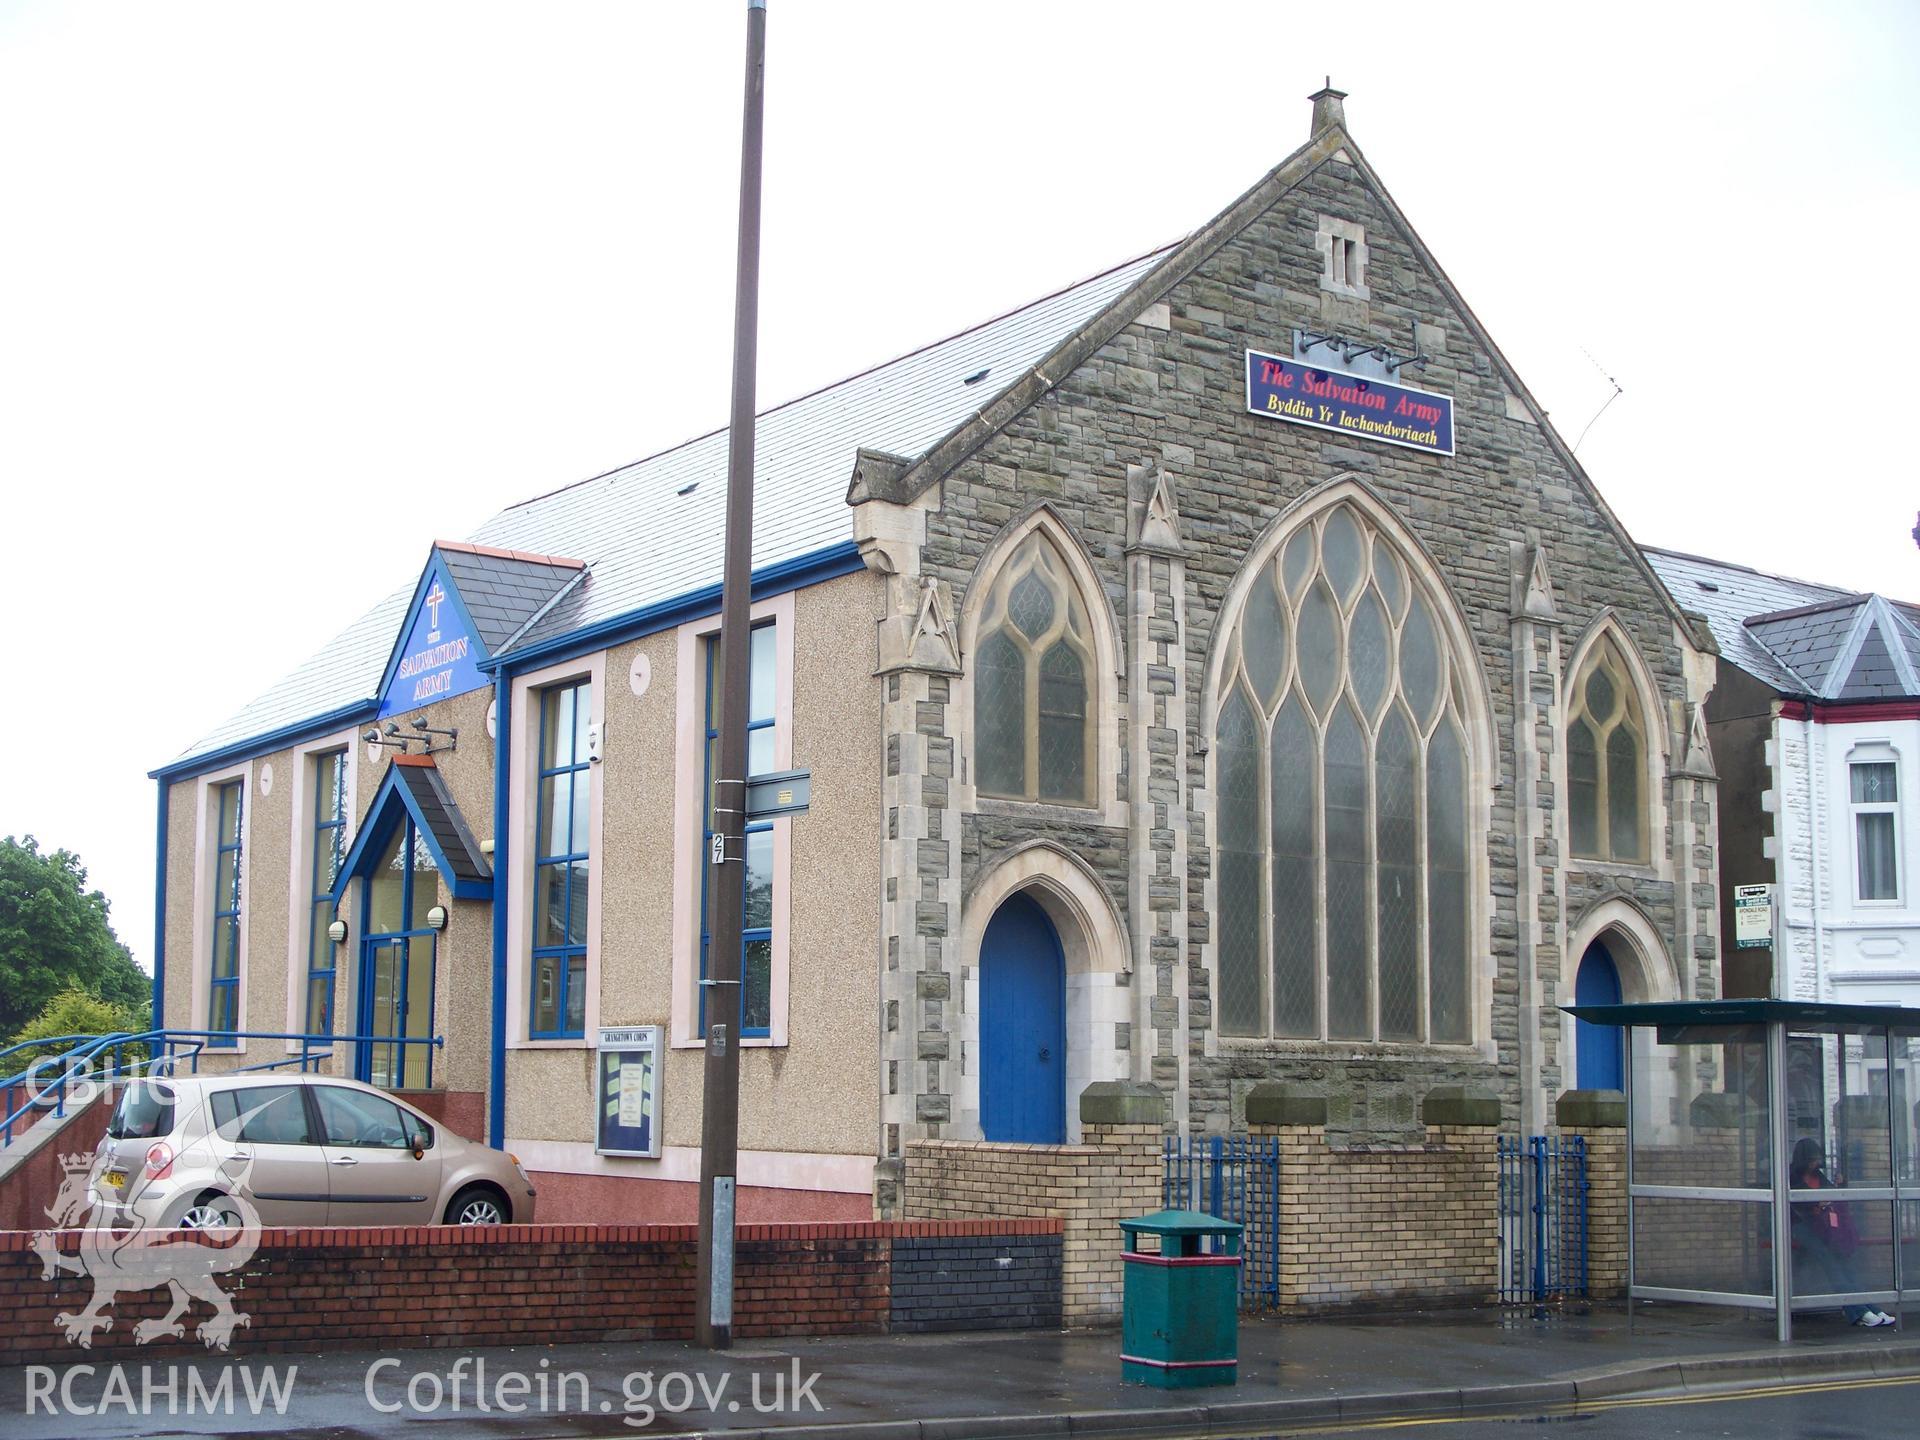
(628, 1092)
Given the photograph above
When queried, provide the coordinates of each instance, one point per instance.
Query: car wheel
(211, 1211)
(477, 1205)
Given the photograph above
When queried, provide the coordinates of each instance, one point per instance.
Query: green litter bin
(1180, 1318)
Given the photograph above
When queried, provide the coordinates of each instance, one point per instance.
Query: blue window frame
(562, 852)
(223, 981)
(329, 849)
(756, 923)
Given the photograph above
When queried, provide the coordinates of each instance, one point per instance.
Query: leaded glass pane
(760, 684)
(386, 906)
(759, 882)
(1342, 552)
(546, 993)
(1447, 972)
(1420, 662)
(1296, 561)
(1319, 641)
(1599, 696)
(1294, 767)
(1237, 779)
(1263, 639)
(1063, 725)
(580, 811)
(1397, 879)
(1583, 788)
(1875, 783)
(1390, 577)
(756, 975)
(556, 739)
(576, 995)
(999, 716)
(1349, 979)
(579, 896)
(1369, 651)
(1030, 606)
(1623, 795)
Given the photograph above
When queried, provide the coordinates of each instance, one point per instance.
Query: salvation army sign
(1357, 405)
(439, 658)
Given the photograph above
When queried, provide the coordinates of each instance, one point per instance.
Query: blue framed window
(329, 849)
(756, 921)
(223, 981)
(562, 888)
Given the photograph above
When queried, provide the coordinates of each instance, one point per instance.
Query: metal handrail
(166, 1049)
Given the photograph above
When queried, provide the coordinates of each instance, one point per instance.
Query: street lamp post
(726, 858)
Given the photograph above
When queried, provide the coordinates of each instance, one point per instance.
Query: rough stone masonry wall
(1089, 1188)
(1166, 396)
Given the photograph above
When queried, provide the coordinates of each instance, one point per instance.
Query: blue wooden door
(1023, 1061)
(1597, 1048)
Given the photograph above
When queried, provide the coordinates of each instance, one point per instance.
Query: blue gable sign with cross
(439, 655)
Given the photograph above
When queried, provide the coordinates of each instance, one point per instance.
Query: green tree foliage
(79, 1012)
(55, 936)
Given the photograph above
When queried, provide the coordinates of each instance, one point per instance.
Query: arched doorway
(1023, 1041)
(1597, 1049)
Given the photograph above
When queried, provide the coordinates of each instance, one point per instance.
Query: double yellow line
(1585, 1407)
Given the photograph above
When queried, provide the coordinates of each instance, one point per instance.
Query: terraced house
(1217, 671)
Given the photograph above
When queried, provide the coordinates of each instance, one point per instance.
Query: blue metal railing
(1233, 1177)
(79, 1061)
(1543, 1218)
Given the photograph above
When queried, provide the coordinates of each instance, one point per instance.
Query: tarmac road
(1828, 1410)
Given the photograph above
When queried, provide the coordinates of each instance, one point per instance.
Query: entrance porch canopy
(1730, 1105)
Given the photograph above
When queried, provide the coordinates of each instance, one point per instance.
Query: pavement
(978, 1386)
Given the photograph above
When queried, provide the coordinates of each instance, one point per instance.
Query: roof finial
(1327, 110)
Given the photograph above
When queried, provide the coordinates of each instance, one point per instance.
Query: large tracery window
(1342, 810)
(1606, 757)
(1033, 671)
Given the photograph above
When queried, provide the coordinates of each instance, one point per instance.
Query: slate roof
(1800, 637)
(504, 589)
(454, 841)
(651, 531)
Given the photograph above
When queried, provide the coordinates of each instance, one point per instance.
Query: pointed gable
(469, 605)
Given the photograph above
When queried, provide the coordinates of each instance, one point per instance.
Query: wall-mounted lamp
(337, 932)
(437, 918)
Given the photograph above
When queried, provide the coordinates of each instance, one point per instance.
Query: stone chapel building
(1219, 671)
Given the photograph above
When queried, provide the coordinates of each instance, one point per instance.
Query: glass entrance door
(397, 962)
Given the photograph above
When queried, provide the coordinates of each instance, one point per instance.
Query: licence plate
(117, 1179)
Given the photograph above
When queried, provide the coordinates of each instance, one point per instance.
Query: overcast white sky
(287, 290)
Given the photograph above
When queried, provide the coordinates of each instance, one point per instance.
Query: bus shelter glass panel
(1702, 1196)
(1840, 1165)
(1903, 1087)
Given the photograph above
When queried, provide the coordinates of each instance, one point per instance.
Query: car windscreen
(145, 1110)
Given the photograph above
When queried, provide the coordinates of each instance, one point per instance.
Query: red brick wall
(462, 1111)
(29, 1187)
(400, 1288)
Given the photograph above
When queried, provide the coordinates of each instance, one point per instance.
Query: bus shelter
(1773, 1154)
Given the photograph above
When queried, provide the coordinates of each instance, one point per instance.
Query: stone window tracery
(1606, 760)
(1341, 763)
(1033, 671)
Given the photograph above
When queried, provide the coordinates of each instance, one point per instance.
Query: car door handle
(345, 1160)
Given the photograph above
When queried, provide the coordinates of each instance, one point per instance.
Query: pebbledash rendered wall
(1135, 449)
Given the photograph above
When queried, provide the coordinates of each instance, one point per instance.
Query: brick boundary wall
(1382, 1224)
(410, 1287)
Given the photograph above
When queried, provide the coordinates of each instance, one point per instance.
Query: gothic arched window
(1033, 682)
(1606, 758)
(1341, 758)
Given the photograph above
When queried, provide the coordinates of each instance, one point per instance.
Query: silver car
(297, 1150)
